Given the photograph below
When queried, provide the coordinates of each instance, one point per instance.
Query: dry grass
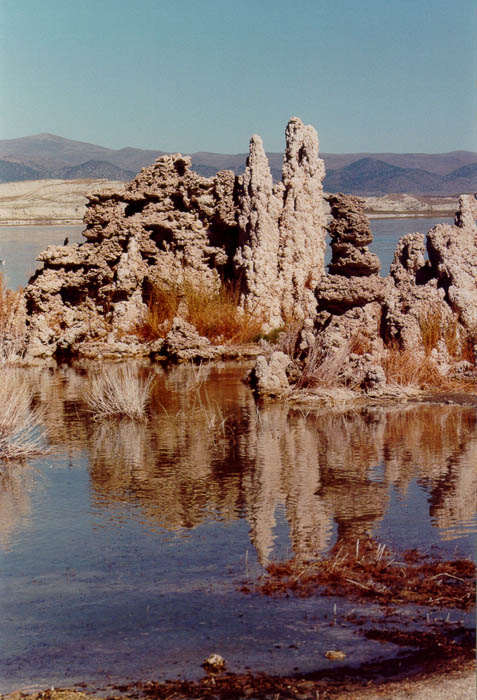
(12, 323)
(434, 328)
(118, 392)
(324, 371)
(289, 336)
(469, 347)
(430, 325)
(20, 433)
(366, 570)
(162, 306)
(215, 314)
(406, 368)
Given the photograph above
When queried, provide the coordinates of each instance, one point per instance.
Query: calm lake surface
(122, 552)
(20, 245)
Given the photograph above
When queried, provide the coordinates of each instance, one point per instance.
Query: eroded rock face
(282, 228)
(257, 255)
(350, 234)
(427, 306)
(169, 226)
(269, 376)
(436, 293)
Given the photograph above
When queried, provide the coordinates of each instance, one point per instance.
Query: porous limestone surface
(170, 227)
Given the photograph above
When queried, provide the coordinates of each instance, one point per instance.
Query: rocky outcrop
(350, 235)
(432, 307)
(282, 228)
(269, 376)
(183, 343)
(426, 308)
(257, 255)
(170, 226)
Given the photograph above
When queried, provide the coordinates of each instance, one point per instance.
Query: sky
(204, 75)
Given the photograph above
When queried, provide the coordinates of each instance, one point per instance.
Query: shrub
(162, 305)
(430, 325)
(12, 323)
(215, 314)
(20, 433)
(118, 392)
(323, 370)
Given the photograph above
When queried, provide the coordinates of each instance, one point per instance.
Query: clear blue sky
(190, 75)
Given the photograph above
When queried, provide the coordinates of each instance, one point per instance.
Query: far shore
(371, 215)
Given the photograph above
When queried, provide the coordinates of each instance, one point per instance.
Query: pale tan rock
(269, 378)
(183, 343)
(444, 287)
(256, 259)
(350, 234)
(336, 293)
(302, 221)
(282, 229)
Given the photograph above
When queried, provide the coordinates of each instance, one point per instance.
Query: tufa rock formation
(170, 225)
(350, 235)
(282, 229)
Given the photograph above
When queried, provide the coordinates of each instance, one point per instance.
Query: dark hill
(15, 172)
(95, 169)
(369, 176)
(47, 155)
(467, 171)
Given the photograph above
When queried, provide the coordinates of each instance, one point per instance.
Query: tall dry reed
(214, 313)
(118, 391)
(323, 370)
(12, 323)
(21, 434)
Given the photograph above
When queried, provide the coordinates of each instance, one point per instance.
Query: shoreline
(455, 679)
(369, 214)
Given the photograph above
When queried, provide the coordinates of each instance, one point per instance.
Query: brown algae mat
(368, 571)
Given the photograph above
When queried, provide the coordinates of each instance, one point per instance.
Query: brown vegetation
(214, 313)
(118, 392)
(367, 570)
(435, 328)
(12, 323)
(20, 433)
(323, 370)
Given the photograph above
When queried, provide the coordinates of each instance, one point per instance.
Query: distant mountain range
(49, 156)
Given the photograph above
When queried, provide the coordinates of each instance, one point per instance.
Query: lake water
(122, 552)
(20, 245)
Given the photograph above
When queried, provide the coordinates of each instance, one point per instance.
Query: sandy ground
(48, 201)
(459, 684)
(64, 202)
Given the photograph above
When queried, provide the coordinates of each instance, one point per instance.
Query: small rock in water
(335, 655)
(214, 662)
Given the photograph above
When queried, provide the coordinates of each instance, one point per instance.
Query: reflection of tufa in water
(199, 458)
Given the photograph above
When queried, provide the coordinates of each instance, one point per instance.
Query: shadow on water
(122, 553)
